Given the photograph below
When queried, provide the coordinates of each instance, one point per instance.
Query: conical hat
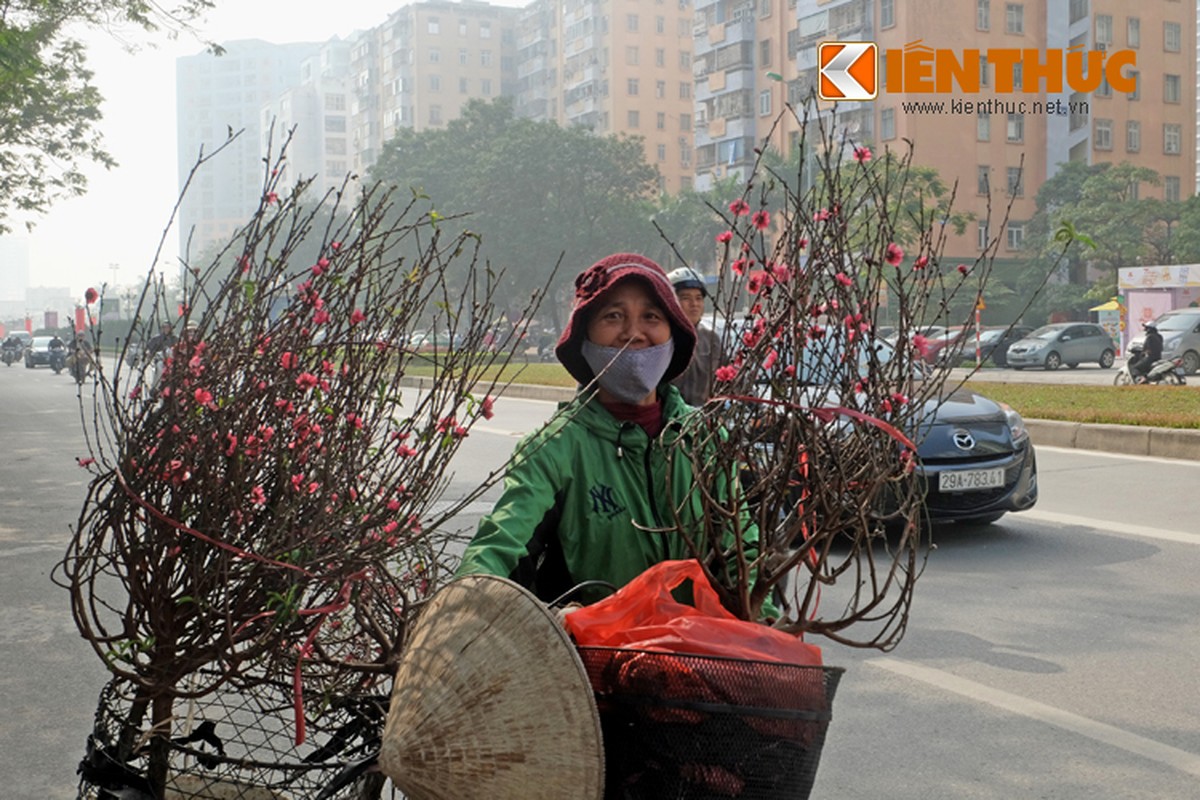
(491, 701)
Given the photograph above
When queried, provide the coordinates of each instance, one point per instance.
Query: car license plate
(970, 480)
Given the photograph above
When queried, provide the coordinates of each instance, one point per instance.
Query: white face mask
(629, 375)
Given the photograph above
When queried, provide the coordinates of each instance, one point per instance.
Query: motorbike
(1165, 371)
(58, 359)
(10, 356)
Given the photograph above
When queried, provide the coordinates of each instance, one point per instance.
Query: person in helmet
(1152, 349)
(695, 384)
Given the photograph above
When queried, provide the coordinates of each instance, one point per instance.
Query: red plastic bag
(643, 615)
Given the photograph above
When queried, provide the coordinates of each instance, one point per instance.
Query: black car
(977, 460)
(974, 454)
(994, 342)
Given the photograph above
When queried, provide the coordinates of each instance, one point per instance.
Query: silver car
(1180, 330)
(1070, 343)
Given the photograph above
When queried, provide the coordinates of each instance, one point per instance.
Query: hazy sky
(121, 219)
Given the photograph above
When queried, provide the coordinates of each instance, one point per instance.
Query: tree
(536, 192)
(49, 110)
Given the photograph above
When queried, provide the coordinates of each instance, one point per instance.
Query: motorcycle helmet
(1149, 326)
(687, 278)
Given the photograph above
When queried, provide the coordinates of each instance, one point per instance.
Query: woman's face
(628, 315)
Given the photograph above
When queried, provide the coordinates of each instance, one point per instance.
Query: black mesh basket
(686, 726)
(233, 745)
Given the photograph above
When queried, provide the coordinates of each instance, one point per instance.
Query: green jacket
(579, 497)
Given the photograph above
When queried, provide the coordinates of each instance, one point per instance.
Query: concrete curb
(1123, 439)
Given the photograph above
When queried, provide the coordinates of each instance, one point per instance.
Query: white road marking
(1090, 728)
(1115, 527)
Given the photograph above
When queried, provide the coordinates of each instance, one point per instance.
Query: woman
(593, 494)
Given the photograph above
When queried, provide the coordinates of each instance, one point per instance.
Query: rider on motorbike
(58, 353)
(12, 349)
(1152, 349)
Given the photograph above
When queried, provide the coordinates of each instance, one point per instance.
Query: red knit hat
(602, 276)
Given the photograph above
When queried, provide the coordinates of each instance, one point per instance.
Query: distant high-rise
(420, 67)
(216, 95)
(617, 66)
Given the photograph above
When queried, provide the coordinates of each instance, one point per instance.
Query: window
(335, 102)
(335, 147)
(463, 86)
(1133, 136)
(983, 14)
(1104, 29)
(463, 56)
(335, 124)
(887, 124)
(983, 179)
(631, 87)
(1105, 88)
(1136, 94)
(1015, 235)
(1133, 33)
(631, 56)
(485, 87)
(1172, 37)
(764, 8)
(1016, 128)
(660, 24)
(685, 60)
(1078, 110)
(662, 152)
(983, 69)
(485, 58)
(435, 55)
(660, 89)
(434, 25)
(1171, 188)
(1016, 186)
(764, 53)
(1134, 190)
(1079, 10)
(435, 83)
(634, 119)
(435, 115)
(764, 103)
(981, 235)
(660, 57)
(1014, 18)
(685, 90)
(660, 121)
(1018, 75)
(983, 127)
(685, 122)
(462, 27)
(1172, 139)
(1170, 88)
(631, 23)
(1102, 134)
(887, 13)
(485, 30)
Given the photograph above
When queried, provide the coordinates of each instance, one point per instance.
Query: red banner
(80, 319)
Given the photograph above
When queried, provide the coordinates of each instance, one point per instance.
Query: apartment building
(315, 114)
(614, 66)
(421, 66)
(1009, 141)
(216, 95)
